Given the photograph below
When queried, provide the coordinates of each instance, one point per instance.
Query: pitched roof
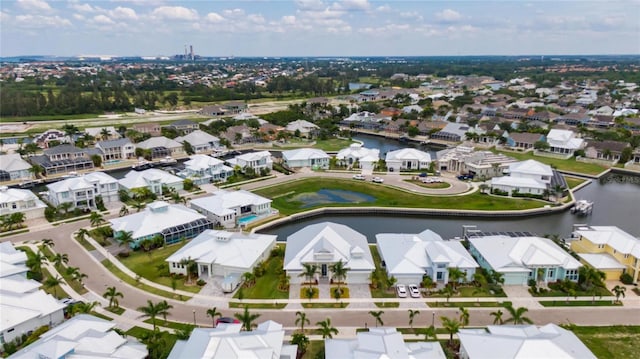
(136, 179)
(155, 218)
(408, 154)
(224, 202)
(198, 162)
(13, 162)
(114, 143)
(63, 148)
(8, 195)
(302, 154)
(198, 137)
(612, 236)
(530, 167)
(160, 141)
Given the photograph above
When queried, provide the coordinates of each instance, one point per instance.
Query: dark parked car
(423, 174)
(226, 320)
(465, 177)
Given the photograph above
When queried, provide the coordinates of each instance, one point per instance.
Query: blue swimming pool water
(247, 219)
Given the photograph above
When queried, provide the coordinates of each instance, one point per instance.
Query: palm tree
(326, 330)
(124, 210)
(301, 317)
(96, 219)
(339, 272)
(60, 259)
(213, 313)
(517, 315)
(378, 316)
(412, 314)
(84, 307)
(557, 192)
(464, 316)
(427, 283)
(105, 133)
(112, 294)
(35, 261)
(65, 206)
(53, 282)
(163, 310)
(125, 237)
(246, 318)
(152, 311)
(155, 342)
(248, 278)
(451, 326)
(138, 205)
(48, 243)
(183, 333)
(81, 234)
(191, 266)
(283, 282)
(302, 341)
(619, 290)
(309, 271)
(455, 275)
(497, 317)
(177, 198)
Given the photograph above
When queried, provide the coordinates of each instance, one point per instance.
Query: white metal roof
(10, 255)
(520, 254)
(519, 182)
(16, 308)
(202, 162)
(155, 218)
(229, 249)
(301, 125)
(13, 162)
(523, 341)
(530, 167)
(197, 138)
(302, 154)
(601, 261)
(408, 154)
(612, 236)
(136, 179)
(160, 141)
(225, 202)
(356, 150)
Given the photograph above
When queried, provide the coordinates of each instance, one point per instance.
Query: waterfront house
(82, 191)
(464, 160)
(63, 159)
(14, 200)
(305, 128)
(381, 342)
(528, 176)
(223, 254)
(153, 129)
(367, 158)
(239, 134)
(184, 126)
(521, 341)
(227, 208)
(116, 150)
(83, 336)
(324, 244)
(258, 161)
(24, 307)
(306, 157)
(205, 169)
(174, 222)
(153, 179)
(524, 141)
(407, 159)
(609, 249)
(410, 257)
(14, 168)
(200, 141)
(605, 150)
(563, 142)
(161, 147)
(520, 259)
(227, 340)
(454, 132)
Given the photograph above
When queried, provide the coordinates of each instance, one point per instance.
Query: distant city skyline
(318, 28)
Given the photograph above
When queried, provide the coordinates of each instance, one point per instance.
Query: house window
(550, 273)
(626, 256)
(600, 246)
(571, 274)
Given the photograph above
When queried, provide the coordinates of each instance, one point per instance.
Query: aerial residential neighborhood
(319, 180)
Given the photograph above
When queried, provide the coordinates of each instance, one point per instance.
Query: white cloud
(102, 20)
(79, 17)
(448, 15)
(233, 12)
(39, 21)
(411, 15)
(123, 13)
(174, 13)
(352, 5)
(310, 5)
(256, 18)
(75, 5)
(383, 8)
(214, 17)
(289, 20)
(34, 5)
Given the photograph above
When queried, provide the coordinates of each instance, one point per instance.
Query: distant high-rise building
(192, 55)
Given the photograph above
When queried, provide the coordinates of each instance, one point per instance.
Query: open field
(616, 341)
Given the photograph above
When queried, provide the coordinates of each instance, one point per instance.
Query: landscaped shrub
(626, 278)
(123, 254)
(527, 195)
(498, 192)
(100, 204)
(201, 282)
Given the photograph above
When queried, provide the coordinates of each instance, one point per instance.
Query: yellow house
(609, 249)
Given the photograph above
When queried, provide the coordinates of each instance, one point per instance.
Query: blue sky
(318, 27)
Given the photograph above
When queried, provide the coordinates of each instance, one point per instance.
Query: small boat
(168, 161)
(141, 165)
(582, 207)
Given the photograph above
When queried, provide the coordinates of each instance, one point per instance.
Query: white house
(306, 128)
(83, 336)
(228, 341)
(205, 169)
(306, 157)
(201, 141)
(409, 257)
(366, 157)
(174, 222)
(97, 132)
(521, 341)
(324, 244)
(407, 159)
(227, 208)
(520, 259)
(23, 306)
(222, 253)
(14, 200)
(257, 160)
(151, 178)
(528, 176)
(382, 342)
(161, 147)
(564, 142)
(114, 150)
(82, 191)
(14, 168)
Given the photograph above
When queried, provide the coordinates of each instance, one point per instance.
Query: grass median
(284, 197)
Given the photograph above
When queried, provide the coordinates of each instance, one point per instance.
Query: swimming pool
(247, 219)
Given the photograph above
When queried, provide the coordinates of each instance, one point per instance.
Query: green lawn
(332, 144)
(102, 316)
(257, 305)
(445, 304)
(573, 182)
(380, 290)
(387, 304)
(579, 303)
(50, 117)
(441, 185)
(168, 339)
(600, 292)
(615, 341)
(570, 164)
(115, 310)
(314, 350)
(169, 324)
(324, 305)
(152, 266)
(283, 197)
(62, 269)
(56, 291)
(471, 292)
(266, 286)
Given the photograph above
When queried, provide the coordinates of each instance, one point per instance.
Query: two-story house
(115, 150)
(228, 208)
(63, 159)
(258, 161)
(14, 168)
(161, 147)
(153, 179)
(13, 200)
(564, 142)
(200, 141)
(528, 176)
(205, 169)
(184, 126)
(82, 191)
(152, 129)
(608, 249)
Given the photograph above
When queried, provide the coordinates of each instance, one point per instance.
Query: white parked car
(377, 180)
(414, 291)
(401, 289)
(359, 177)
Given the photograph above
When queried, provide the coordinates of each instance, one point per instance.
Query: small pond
(325, 196)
